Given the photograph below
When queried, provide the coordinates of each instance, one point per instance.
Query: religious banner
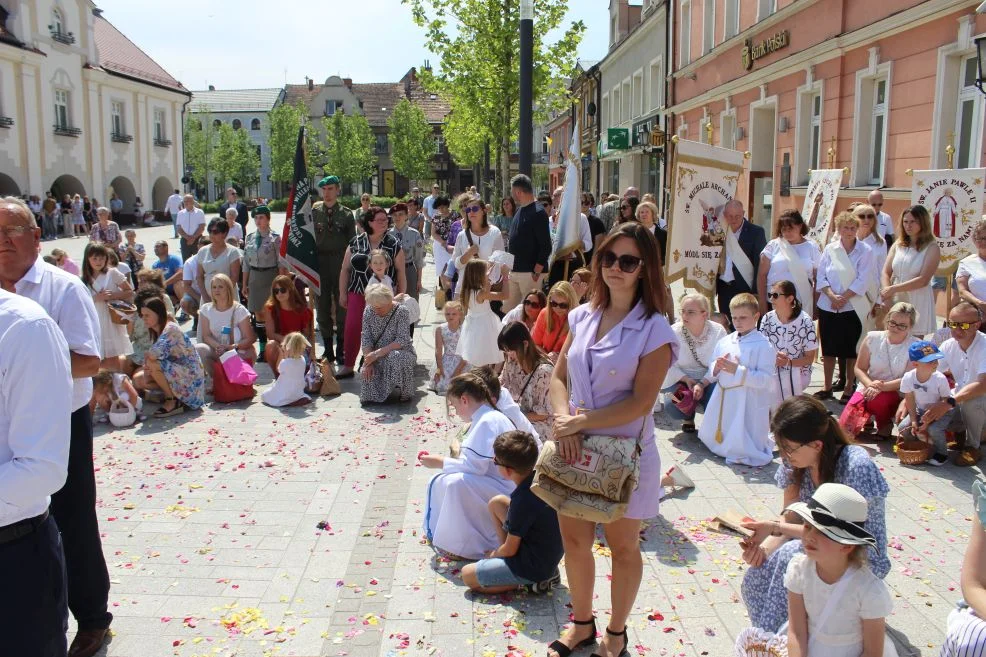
(954, 199)
(823, 190)
(703, 179)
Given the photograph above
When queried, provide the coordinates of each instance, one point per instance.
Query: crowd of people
(531, 350)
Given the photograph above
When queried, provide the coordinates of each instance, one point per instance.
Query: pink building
(878, 87)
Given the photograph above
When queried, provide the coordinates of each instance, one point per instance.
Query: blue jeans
(672, 410)
(936, 430)
(495, 572)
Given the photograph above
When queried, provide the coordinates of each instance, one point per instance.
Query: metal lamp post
(526, 85)
(981, 56)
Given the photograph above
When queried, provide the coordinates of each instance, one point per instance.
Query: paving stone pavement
(210, 525)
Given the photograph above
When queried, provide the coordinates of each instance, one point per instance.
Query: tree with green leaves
(284, 123)
(412, 142)
(478, 43)
(349, 147)
(236, 159)
(201, 137)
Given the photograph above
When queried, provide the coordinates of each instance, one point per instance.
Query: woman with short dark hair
(789, 257)
(356, 273)
(217, 257)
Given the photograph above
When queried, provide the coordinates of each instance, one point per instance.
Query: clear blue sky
(258, 43)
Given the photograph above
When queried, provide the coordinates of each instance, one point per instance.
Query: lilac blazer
(601, 374)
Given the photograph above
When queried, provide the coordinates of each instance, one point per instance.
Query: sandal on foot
(164, 412)
(626, 641)
(562, 650)
(688, 426)
(823, 394)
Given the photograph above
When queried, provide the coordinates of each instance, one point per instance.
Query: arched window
(217, 123)
(255, 124)
(236, 124)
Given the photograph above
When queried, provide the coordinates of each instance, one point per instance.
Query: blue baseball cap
(923, 351)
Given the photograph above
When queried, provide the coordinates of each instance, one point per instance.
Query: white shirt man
(171, 208)
(884, 222)
(968, 368)
(35, 389)
(429, 202)
(191, 222)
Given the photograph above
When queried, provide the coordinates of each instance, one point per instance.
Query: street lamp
(526, 110)
(981, 55)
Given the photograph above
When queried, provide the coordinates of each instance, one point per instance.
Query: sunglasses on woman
(774, 296)
(533, 304)
(279, 290)
(559, 304)
(628, 263)
(868, 215)
(474, 208)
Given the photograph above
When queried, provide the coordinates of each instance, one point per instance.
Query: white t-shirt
(807, 251)
(173, 204)
(429, 205)
(965, 366)
(885, 224)
(189, 273)
(235, 231)
(930, 392)
(221, 319)
(190, 221)
(974, 268)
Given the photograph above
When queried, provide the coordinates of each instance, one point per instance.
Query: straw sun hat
(837, 511)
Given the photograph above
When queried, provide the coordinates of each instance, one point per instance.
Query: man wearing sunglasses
(965, 358)
(740, 257)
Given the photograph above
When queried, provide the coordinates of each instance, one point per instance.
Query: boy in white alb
(736, 424)
(923, 386)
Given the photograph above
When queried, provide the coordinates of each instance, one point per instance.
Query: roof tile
(118, 54)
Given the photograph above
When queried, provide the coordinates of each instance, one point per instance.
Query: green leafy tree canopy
(412, 141)
(349, 147)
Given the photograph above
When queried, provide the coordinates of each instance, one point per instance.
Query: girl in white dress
(379, 264)
(477, 344)
(106, 285)
(911, 263)
(448, 364)
(457, 519)
(289, 387)
(837, 607)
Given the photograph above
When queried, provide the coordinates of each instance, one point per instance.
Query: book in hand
(733, 521)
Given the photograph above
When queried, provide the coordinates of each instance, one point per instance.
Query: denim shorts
(938, 282)
(495, 572)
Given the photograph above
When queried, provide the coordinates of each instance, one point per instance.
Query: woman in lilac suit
(605, 382)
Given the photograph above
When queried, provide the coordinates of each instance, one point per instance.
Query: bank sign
(754, 50)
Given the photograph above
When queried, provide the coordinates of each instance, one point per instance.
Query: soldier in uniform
(334, 227)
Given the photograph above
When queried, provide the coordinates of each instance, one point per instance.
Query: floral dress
(763, 587)
(181, 365)
(530, 391)
(108, 235)
(396, 369)
(450, 359)
(796, 338)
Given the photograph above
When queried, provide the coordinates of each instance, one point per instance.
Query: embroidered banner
(954, 199)
(823, 190)
(703, 179)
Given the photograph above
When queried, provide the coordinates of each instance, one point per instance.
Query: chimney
(427, 65)
(311, 83)
(212, 88)
(348, 82)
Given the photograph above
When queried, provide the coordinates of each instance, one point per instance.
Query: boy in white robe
(736, 424)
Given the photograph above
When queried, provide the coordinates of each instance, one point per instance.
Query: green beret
(261, 209)
(328, 180)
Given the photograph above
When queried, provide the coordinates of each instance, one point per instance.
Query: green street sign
(618, 138)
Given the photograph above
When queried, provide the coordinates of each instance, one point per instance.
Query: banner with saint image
(954, 199)
(819, 209)
(703, 179)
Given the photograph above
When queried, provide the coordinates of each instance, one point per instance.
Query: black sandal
(163, 412)
(823, 394)
(562, 650)
(626, 641)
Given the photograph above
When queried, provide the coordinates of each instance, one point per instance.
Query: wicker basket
(914, 452)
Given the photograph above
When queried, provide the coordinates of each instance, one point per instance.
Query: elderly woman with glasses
(356, 274)
(389, 356)
(880, 366)
(814, 451)
(217, 257)
(284, 312)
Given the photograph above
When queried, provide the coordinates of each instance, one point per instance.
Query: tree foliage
(236, 158)
(478, 44)
(349, 147)
(412, 141)
(201, 137)
(284, 123)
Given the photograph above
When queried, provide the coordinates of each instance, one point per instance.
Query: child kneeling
(289, 387)
(531, 546)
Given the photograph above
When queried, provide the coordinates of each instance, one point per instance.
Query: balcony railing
(158, 141)
(63, 37)
(121, 138)
(67, 131)
(6, 122)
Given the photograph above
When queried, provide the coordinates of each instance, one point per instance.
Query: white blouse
(487, 244)
(975, 268)
(887, 361)
(703, 346)
(779, 270)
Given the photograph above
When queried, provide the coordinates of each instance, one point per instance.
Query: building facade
(878, 88)
(559, 134)
(376, 101)
(632, 98)
(586, 102)
(244, 109)
(83, 109)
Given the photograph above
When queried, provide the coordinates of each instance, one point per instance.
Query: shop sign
(641, 131)
(752, 51)
(617, 138)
